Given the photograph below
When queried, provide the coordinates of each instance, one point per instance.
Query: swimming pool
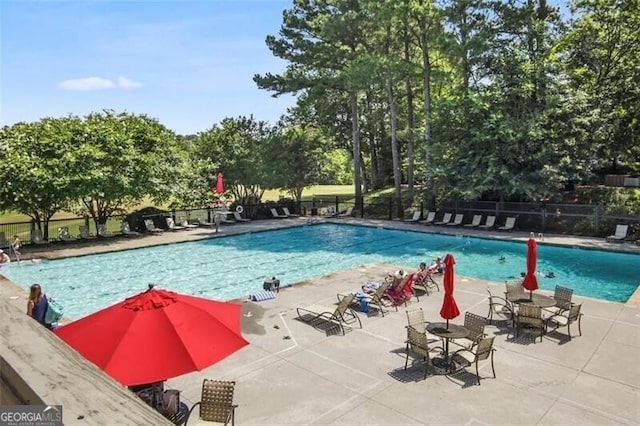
(235, 266)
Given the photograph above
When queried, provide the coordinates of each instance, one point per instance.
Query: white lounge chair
(489, 223)
(620, 234)
(288, 213)
(104, 232)
(239, 218)
(475, 222)
(277, 215)
(509, 224)
(151, 227)
(415, 217)
(457, 221)
(36, 237)
(203, 222)
(171, 225)
(126, 230)
(430, 219)
(64, 235)
(84, 233)
(347, 212)
(187, 225)
(445, 219)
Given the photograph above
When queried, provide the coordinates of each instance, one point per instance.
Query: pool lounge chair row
(476, 222)
(620, 235)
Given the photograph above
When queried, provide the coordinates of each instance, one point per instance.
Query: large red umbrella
(220, 183)
(530, 281)
(156, 335)
(449, 306)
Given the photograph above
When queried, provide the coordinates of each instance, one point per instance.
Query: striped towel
(263, 295)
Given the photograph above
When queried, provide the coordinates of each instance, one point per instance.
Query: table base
(444, 365)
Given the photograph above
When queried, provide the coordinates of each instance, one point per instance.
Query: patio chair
(216, 402)
(562, 296)
(415, 320)
(126, 230)
(171, 226)
(620, 234)
(457, 221)
(347, 213)
(415, 217)
(426, 282)
(530, 316)
(202, 222)
(499, 307)
(64, 235)
(288, 213)
(185, 224)
(151, 227)
(445, 219)
(84, 233)
(103, 231)
(342, 314)
(418, 343)
(514, 291)
(489, 223)
(509, 224)
(567, 318)
(430, 219)
(483, 350)
(277, 215)
(239, 218)
(475, 222)
(475, 324)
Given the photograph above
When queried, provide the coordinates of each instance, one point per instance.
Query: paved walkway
(293, 373)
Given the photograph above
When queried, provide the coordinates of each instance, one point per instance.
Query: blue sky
(188, 63)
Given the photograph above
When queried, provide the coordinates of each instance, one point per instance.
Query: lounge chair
(620, 234)
(203, 222)
(376, 299)
(239, 218)
(340, 315)
(187, 225)
(277, 215)
(36, 237)
(430, 219)
(483, 351)
(171, 226)
(151, 227)
(415, 217)
(347, 213)
(126, 230)
(489, 223)
(565, 319)
(65, 235)
(216, 402)
(400, 294)
(84, 233)
(457, 221)
(509, 224)
(103, 231)
(445, 219)
(475, 222)
(426, 282)
(288, 213)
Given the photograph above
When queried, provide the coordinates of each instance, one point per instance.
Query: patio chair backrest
(484, 348)
(418, 342)
(125, 227)
(458, 219)
(416, 321)
(446, 217)
(344, 304)
(514, 289)
(149, 224)
(217, 400)
(491, 220)
(621, 231)
(430, 216)
(562, 296)
(530, 314)
(475, 324)
(510, 222)
(416, 215)
(348, 211)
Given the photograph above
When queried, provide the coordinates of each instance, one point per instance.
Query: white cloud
(98, 83)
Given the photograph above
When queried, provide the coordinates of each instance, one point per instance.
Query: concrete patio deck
(293, 373)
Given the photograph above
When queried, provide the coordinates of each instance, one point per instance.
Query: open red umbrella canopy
(530, 281)
(449, 306)
(220, 183)
(156, 335)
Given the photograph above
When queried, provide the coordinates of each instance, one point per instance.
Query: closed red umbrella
(156, 335)
(449, 306)
(220, 183)
(530, 281)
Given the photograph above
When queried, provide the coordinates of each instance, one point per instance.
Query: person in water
(37, 305)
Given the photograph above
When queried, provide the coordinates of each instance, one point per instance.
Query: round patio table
(536, 300)
(452, 331)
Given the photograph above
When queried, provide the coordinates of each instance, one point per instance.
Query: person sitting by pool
(4, 257)
(402, 287)
(37, 305)
(437, 267)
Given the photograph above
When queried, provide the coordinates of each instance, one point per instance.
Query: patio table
(453, 331)
(535, 299)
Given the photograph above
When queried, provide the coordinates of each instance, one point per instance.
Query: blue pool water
(232, 267)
